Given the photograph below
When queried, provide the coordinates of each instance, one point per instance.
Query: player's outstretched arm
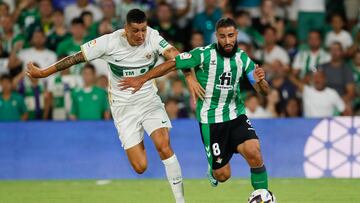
(261, 85)
(65, 63)
(138, 82)
(194, 86)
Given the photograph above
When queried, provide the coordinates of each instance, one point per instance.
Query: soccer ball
(262, 196)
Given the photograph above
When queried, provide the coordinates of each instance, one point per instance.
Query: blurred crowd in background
(308, 48)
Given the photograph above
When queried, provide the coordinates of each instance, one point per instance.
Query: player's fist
(259, 74)
(33, 71)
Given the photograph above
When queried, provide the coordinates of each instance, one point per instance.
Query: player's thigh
(215, 138)
(245, 141)
(128, 124)
(154, 116)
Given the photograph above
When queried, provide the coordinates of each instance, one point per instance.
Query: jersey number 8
(216, 149)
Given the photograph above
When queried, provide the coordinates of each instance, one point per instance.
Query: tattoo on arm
(68, 61)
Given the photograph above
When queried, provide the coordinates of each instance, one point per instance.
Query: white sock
(173, 173)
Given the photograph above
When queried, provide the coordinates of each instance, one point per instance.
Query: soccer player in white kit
(132, 52)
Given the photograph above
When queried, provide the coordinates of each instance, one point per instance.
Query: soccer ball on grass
(262, 196)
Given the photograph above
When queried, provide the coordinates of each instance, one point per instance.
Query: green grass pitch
(158, 191)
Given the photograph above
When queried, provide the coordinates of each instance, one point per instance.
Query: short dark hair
(77, 21)
(241, 13)
(225, 22)
(269, 27)
(58, 11)
(90, 66)
(86, 13)
(135, 16)
(37, 29)
(6, 77)
(316, 31)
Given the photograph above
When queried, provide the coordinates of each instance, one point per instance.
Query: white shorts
(131, 120)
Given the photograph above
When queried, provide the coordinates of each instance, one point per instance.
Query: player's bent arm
(63, 64)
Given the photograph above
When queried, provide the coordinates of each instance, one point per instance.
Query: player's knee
(222, 176)
(140, 167)
(165, 151)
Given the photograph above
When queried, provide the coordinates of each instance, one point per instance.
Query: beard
(224, 53)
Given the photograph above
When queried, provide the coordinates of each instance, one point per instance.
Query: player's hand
(34, 71)
(195, 88)
(133, 82)
(259, 74)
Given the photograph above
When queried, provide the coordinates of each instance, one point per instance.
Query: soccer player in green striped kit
(220, 110)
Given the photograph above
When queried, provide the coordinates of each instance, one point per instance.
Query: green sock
(259, 179)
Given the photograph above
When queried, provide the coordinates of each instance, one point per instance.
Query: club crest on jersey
(91, 43)
(185, 55)
(225, 82)
(148, 55)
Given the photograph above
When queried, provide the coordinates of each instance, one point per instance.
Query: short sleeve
(95, 48)
(349, 75)
(22, 106)
(339, 103)
(74, 105)
(248, 64)
(159, 43)
(105, 102)
(297, 61)
(61, 49)
(188, 60)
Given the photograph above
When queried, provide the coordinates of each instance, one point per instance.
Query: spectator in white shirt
(338, 34)
(272, 56)
(37, 53)
(254, 109)
(319, 100)
(271, 51)
(74, 10)
(309, 59)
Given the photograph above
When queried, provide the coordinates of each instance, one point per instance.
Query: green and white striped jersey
(220, 77)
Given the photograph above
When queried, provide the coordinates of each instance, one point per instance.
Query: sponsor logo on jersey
(219, 160)
(163, 43)
(185, 55)
(91, 43)
(225, 82)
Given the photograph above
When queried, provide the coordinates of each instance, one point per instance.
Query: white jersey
(124, 60)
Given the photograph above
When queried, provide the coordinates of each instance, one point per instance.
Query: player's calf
(254, 158)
